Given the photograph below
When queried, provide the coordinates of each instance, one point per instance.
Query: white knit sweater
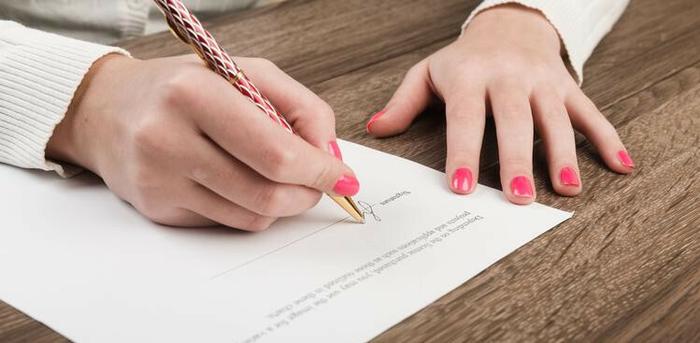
(40, 71)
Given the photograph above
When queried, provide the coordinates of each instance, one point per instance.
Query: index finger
(233, 122)
(310, 116)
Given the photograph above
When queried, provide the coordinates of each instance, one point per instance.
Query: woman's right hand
(185, 148)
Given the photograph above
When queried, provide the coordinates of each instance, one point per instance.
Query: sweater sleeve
(39, 74)
(581, 24)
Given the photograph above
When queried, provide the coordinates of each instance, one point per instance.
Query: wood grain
(625, 268)
(624, 265)
(318, 40)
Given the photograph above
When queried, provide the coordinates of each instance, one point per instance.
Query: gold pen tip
(350, 207)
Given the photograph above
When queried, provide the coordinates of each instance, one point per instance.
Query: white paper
(81, 261)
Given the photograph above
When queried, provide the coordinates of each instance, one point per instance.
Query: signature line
(232, 269)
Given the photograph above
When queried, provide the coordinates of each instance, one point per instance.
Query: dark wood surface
(625, 268)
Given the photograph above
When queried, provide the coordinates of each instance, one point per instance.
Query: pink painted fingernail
(521, 187)
(462, 180)
(625, 159)
(346, 186)
(374, 119)
(569, 177)
(335, 150)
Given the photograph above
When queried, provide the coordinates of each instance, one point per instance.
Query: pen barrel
(189, 29)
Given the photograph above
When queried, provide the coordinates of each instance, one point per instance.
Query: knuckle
(507, 69)
(179, 87)
(324, 175)
(202, 174)
(468, 67)
(521, 72)
(314, 107)
(315, 199)
(539, 70)
(561, 116)
(461, 112)
(325, 110)
(517, 163)
(511, 111)
(303, 200)
(149, 139)
(258, 223)
(509, 82)
(522, 64)
(146, 191)
(143, 178)
(148, 205)
(417, 69)
(277, 160)
(208, 174)
(166, 218)
(271, 201)
(561, 83)
(555, 115)
(264, 63)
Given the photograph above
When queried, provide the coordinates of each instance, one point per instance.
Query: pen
(187, 28)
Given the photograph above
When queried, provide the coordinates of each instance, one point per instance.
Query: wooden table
(626, 267)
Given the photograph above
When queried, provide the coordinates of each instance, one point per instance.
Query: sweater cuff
(580, 24)
(133, 19)
(39, 75)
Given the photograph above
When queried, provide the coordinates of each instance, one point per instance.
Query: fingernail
(346, 186)
(335, 150)
(625, 159)
(521, 187)
(374, 119)
(462, 180)
(568, 177)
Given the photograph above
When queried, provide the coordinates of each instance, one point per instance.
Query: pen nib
(350, 207)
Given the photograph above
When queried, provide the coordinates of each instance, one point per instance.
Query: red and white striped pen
(188, 29)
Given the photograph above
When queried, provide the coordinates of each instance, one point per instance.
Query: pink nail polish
(335, 150)
(462, 180)
(374, 119)
(569, 177)
(625, 159)
(521, 187)
(346, 186)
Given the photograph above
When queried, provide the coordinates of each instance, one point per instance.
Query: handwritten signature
(368, 210)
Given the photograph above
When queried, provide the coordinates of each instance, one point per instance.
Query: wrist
(73, 138)
(515, 21)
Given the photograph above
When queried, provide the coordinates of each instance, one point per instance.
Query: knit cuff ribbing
(581, 24)
(133, 18)
(39, 75)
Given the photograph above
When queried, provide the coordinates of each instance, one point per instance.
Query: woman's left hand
(508, 58)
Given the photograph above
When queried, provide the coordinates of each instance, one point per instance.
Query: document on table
(84, 263)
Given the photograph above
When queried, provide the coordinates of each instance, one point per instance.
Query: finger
(312, 118)
(212, 206)
(554, 126)
(216, 170)
(587, 119)
(410, 99)
(180, 217)
(514, 130)
(186, 218)
(239, 127)
(465, 133)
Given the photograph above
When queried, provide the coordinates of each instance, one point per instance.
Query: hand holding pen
(181, 145)
(185, 25)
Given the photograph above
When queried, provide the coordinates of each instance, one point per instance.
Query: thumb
(410, 99)
(316, 168)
